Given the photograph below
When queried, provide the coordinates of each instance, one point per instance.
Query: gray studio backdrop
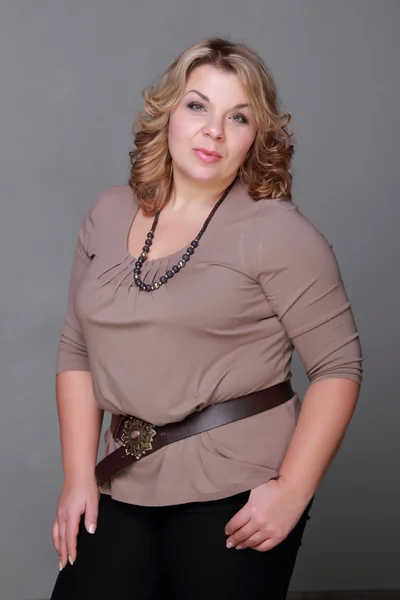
(71, 75)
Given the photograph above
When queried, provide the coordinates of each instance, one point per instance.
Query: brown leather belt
(140, 438)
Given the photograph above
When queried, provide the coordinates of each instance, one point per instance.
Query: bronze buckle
(137, 437)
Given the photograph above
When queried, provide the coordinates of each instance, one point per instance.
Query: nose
(214, 128)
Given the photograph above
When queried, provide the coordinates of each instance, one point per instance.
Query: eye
(195, 106)
(240, 119)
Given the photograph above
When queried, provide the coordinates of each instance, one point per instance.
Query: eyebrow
(207, 99)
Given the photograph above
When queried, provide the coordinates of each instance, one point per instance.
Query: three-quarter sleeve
(300, 277)
(72, 351)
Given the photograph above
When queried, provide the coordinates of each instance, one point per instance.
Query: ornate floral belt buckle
(137, 437)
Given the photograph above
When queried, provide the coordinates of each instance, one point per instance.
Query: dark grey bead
(190, 250)
(138, 264)
(140, 260)
(194, 244)
(150, 235)
(170, 274)
(143, 255)
(148, 288)
(149, 242)
(186, 257)
(146, 249)
(163, 279)
(175, 269)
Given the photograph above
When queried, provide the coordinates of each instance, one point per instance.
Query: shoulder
(280, 223)
(114, 199)
(284, 239)
(274, 218)
(115, 205)
(111, 205)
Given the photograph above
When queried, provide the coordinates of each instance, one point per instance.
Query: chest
(215, 291)
(171, 234)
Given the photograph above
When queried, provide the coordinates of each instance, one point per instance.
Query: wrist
(79, 476)
(302, 489)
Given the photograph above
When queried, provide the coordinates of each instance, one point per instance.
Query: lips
(207, 156)
(210, 152)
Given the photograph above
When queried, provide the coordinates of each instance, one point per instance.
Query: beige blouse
(262, 283)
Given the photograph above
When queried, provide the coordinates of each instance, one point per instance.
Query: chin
(203, 174)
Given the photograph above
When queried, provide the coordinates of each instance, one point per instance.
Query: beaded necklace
(150, 287)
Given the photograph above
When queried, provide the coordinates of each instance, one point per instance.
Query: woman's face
(212, 128)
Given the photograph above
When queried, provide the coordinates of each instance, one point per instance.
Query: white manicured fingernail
(229, 545)
(71, 562)
(60, 565)
(92, 528)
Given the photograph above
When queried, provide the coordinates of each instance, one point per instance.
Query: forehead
(213, 81)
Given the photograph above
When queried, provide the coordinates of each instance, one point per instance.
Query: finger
(62, 543)
(72, 529)
(242, 534)
(266, 545)
(91, 514)
(253, 540)
(55, 537)
(241, 518)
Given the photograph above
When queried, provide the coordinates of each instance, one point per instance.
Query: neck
(186, 192)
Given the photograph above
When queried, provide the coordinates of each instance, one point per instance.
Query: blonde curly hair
(266, 168)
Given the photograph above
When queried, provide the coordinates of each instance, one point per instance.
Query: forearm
(80, 422)
(325, 414)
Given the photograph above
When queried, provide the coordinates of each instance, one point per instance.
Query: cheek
(180, 128)
(240, 145)
(173, 131)
(174, 138)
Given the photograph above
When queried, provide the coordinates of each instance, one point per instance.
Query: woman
(190, 289)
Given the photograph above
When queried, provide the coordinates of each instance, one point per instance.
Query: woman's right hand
(76, 499)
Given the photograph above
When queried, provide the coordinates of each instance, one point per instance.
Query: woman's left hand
(270, 514)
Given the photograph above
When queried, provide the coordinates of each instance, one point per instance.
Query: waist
(139, 438)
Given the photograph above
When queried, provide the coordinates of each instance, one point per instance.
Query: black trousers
(176, 553)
